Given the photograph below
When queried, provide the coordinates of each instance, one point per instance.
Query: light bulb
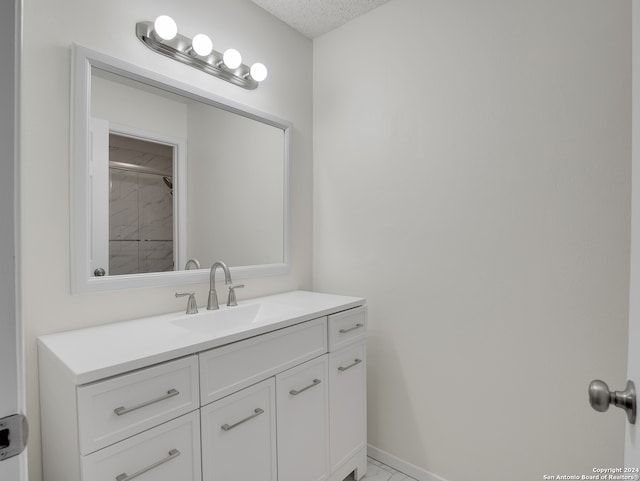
(258, 72)
(202, 45)
(165, 27)
(232, 58)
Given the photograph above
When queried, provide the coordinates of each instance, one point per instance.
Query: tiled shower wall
(140, 215)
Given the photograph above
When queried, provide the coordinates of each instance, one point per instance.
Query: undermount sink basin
(235, 318)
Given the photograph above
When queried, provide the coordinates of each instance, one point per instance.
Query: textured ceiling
(312, 18)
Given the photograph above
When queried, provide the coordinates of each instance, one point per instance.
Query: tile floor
(376, 471)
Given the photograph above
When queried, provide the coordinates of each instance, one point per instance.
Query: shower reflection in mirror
(140, 206)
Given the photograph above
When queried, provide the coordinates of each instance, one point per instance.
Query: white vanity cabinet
(282, 401)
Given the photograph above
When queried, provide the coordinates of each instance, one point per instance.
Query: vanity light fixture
(258, 72)
(162, 37)
(165, 28)
(202, 45)
(232, 58)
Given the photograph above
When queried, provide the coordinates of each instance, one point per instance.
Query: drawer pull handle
(357, 326)
(315, 382)
(256, 412)
(174, 453)
(123, 410)
(355, 363)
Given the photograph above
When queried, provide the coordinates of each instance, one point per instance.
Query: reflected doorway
(140, 206)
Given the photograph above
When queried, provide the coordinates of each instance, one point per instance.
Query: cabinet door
(239, 436)
(347, 403)
(303, 421)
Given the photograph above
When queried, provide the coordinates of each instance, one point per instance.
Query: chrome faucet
(192, 262)
(212, 302)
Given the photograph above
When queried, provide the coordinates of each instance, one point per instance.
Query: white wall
(472, 181)
(109, 27)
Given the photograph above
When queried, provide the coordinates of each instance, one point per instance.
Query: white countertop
(98, 352)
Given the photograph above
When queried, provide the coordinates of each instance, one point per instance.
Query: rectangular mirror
(163, 173)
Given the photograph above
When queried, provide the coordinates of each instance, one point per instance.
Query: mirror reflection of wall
(235, 179)
(140, 206)
(234, 198)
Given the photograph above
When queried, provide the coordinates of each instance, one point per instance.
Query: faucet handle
(192, 305)
(231, 301)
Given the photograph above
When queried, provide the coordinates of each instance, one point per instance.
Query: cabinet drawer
(347, 327)
(302, 398)
(230, 368)
(168, 452)
(347, 403)
(111, 410)
(239, 436)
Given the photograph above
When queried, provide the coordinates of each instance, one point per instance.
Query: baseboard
(400, 465)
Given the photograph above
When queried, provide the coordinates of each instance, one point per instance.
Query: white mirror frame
(82, 62)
